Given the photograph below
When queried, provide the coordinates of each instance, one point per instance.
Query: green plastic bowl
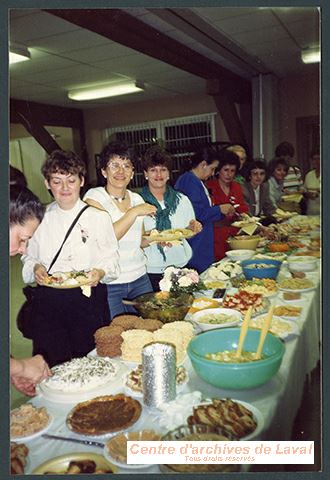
(236, 376)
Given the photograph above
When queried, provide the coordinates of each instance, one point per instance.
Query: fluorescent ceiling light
(311, 55)
(18, 53)
(105, 90)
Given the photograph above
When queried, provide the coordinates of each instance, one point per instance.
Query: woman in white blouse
(127, 210)
(64, 320)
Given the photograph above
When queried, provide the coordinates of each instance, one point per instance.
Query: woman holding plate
(223, 190)
(64, 320)
(174, 210)
(127, 210)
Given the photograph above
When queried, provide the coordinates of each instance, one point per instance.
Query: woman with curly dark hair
(64, 320)
(127, 210)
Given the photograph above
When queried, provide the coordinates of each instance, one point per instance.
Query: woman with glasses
(127, 210)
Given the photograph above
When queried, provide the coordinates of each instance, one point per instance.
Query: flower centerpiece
(181, 280)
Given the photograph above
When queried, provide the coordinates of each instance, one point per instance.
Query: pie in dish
(105, 414)
(117, 445)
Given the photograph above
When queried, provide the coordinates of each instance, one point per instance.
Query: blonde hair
(237, 148)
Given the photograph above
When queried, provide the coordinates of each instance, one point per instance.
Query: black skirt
(64, 322)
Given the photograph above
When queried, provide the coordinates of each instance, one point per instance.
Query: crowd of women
(105, 234)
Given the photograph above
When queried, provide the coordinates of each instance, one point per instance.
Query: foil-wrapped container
(158, 373)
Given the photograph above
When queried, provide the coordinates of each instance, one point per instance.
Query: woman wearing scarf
(174, 210)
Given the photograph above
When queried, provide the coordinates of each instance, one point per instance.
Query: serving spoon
(243, 331)
(264, 331)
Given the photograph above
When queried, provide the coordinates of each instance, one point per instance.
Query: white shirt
(178, 255)
(91, 244)
(257, 198)
(132, 260)
(313, 183)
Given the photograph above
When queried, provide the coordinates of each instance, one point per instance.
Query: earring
(132, 176)
(146, 178)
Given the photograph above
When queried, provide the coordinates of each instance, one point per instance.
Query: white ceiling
(245, 40)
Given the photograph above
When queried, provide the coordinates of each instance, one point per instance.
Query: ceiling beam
(231, 120)
(38, 132)
(50, 115)
(34, 116)
(120, 27)
(192, 24)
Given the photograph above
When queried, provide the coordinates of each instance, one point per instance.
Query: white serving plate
(195, 318)
(257, 415)
(34, 435)
(302, 263)
(304, 290)
(238, 255)
(282, 299)
(284, 335)
(128, 466)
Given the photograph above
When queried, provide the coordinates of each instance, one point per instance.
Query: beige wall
(63, 135)
(299, 97)
(99, 119)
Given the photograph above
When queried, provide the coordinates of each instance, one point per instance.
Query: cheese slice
(86, 290)
(249, 229)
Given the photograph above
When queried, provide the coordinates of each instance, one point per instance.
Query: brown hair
(155, 156)
(64, 162)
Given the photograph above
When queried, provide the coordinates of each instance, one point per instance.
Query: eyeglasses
(114, 166)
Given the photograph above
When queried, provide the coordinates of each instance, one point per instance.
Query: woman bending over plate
(174, 210)
(127, 210)
(64, 320)
(201, 166)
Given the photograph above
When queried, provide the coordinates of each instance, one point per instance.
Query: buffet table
(278, 400)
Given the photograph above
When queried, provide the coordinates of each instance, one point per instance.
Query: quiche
(104, 414)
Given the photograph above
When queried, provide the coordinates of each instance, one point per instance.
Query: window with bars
(179, 136)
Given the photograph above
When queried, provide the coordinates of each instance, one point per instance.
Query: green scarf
(171, 201)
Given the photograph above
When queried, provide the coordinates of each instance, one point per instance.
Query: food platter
(59, 465)
(257, 417)
(65, 280)
(32, 436)
(302, 290)
(242, 300)
(128, 466)
(173, 234)
(69, 395)
(104, 415)
(278, 313)
(136, 374)
(280, 327)
(216, 318)
(293, 300)
(117, 447)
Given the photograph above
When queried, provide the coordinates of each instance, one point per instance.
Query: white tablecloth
(278, 400)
